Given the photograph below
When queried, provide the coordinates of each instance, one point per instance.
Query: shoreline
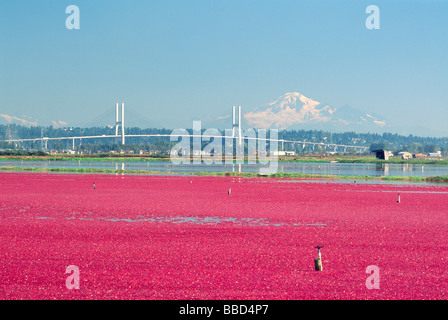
(281, 159)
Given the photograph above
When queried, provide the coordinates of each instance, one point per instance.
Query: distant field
(84, 158)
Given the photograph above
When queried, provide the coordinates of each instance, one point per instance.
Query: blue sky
(175, 60)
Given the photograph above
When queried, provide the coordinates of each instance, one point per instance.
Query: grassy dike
(362, 159)
(443, 179)
(282, 159)
(83, 158)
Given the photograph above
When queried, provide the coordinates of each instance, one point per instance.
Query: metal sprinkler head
(318, 250)
(318, 260)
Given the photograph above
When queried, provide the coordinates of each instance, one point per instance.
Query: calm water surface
(343, 169)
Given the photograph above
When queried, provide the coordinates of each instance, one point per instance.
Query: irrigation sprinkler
(318, 260)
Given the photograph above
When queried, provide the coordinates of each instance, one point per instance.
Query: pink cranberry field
(182, 237)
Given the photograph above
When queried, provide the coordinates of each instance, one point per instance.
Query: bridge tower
(119, 122)
(9, 132)
(236, 126)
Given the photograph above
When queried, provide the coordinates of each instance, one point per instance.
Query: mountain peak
(294, 110)
(29, 121)
(291, 99)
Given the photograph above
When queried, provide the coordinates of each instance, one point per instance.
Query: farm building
(382, 154)
(435, 154)
(405, 155)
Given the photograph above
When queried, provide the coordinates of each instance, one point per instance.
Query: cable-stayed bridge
(236, 133)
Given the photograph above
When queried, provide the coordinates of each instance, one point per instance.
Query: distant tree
(389, 141)
(378, 146)
(430, 148)
(415, 148)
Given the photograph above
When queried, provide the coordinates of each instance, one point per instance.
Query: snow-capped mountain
(295, 111)
(288, 110)
(29, 121)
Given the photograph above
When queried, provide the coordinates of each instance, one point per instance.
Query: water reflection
(342, 169)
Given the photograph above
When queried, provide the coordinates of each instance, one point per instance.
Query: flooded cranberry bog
(182, 237)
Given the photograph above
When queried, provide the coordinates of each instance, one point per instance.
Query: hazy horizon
(174, 61)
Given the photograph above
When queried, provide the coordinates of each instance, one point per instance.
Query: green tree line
(389, 141)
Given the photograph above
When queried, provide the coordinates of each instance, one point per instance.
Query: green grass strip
(443, 179)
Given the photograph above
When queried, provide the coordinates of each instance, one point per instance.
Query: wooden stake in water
(318, 260)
